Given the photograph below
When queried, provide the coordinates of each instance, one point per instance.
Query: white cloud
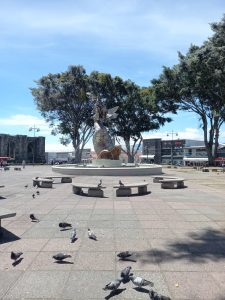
(58, 147)
(26, 120)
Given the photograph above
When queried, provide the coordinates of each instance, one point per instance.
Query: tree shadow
(7, 236)
(201, 247)
(115, 293)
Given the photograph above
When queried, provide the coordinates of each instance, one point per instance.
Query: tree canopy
(196, 84)
(63, 101)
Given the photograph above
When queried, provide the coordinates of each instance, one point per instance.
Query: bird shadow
(141, 290)
(7, 236)
(2, 198)
(74, 240)
(64, 262)
(66, 229)
(115, 293)
(16, 262)
(127, 259)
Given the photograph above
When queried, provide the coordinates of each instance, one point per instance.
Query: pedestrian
(1, 163)
(23, 164)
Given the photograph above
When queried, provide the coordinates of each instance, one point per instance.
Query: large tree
(63, 101)
(196, 84)
(138, 110)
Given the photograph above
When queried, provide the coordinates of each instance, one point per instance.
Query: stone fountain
(107, 162)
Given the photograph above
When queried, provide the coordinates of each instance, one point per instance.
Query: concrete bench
(17, 169)
(64, 179)
(125, 189)
(42, 182)
(172, 183)
(93, 189)
(5, 213)
(157, 179)
(205, 170)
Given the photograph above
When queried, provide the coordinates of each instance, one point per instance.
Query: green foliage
(62, 100)
(197, 84)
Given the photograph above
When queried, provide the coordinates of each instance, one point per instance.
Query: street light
(168, 134)
(34, 129)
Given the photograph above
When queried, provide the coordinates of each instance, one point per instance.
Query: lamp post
(34, 129)
(172, 133)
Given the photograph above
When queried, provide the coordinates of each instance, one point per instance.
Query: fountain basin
(91, 170)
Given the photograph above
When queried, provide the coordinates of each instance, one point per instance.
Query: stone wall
(22, 147)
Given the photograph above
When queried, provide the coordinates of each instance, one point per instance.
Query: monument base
(106, 163)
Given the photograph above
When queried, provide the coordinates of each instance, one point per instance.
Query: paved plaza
(178, 236)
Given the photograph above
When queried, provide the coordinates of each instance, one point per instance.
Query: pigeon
(38, 193)
(15, 255)
(64, 225)
(140, 282)
(60, 256)
(124, 255)
(91, 235)
(33, 196)
(113, 285)
(26, 186)
(33, 218)
(73, 235)
(125, 272)
(100, 183)
(155, 296)
(120, 183)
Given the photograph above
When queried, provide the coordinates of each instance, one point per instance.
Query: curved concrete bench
(64, 179)
(42, 182)
(17, 169)
(93, 189)
(125, 189)
(157, 179)
(175, 183)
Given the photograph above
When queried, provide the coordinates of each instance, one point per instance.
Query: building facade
(22, 147)
(167, 151)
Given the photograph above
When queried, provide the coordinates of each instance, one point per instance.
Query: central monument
(104, 146)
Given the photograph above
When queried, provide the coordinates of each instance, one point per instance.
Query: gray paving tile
(8, 279)
(39, 284)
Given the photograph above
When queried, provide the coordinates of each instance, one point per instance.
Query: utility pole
(34, 129)
(172, 133)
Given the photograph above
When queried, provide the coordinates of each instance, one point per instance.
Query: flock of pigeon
(125, 275)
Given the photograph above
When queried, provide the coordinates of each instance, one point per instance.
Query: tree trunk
(208, 142)
(128, 151)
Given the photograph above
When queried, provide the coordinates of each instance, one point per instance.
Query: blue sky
(129, 38)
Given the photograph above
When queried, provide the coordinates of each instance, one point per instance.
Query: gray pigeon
(155, 296)
(125, 272)
(60, 256)
(26, 186)
(91, 235)
(64, 225)
(38, 193)
(15, 255)
(33, 218)
(120, 183)
(73, 235)
(33, 196)
(140, 282)
(124, 254)
(100, 183)
(113, 285)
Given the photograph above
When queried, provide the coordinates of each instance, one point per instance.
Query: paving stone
(61, 245)
(95, 261)
(193, 285)
(39, 284)
(8, 279)
(27, 245)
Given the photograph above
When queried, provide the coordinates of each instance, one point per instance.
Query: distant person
(23, 164)
(1, 163)
(52, 162)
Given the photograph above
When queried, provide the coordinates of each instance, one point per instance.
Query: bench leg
(66, 180)
(77, 190)
(142, 190)
(1, 233)
(167, 185)
(120, 192)
(95, 193)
